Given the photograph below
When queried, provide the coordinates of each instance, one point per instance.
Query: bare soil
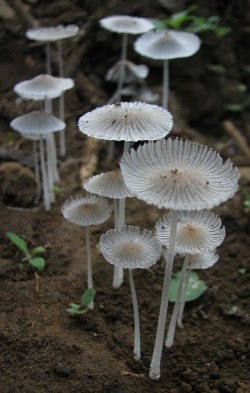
(43, 349)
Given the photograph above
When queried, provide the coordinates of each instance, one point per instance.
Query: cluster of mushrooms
(182, 176)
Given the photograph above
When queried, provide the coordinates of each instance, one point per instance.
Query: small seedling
(242, 271)
(196, 287)
(86, 299)
(58, 190)
(31, 256)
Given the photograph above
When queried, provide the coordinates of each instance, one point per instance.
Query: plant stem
(156, 359)
(172, 326)
(137, 340)
(165, 87)
(89, 264)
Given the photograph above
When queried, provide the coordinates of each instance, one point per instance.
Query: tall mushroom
(165, 45)
(131, 249)
(179, 175)
(86, 211)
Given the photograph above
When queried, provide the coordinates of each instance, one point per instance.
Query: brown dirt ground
(43, 349)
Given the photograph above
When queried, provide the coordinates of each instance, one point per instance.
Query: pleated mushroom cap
(86, 210)
(127, 121)
(126, 24)
(50, 34)
(202, 261)
(38, 123)
(132, 71)
(197, 231)
(43, 86)
(167, 44)
(110, 184)
(179, 175)
(130, 248)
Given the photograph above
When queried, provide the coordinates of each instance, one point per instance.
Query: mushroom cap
(202, 261)
(129, 248)
(132, 71)
(179, 175)
(127, 121)
(167, 44)
(110, 184)
(126, 24)
(86, 210)
(197, 231)
(43, 86)
(37, 122)
(49, 34)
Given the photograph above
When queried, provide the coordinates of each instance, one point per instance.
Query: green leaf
(75, 306)
(242, 271)
(234, 107)
(37, 262)
(73, 311)
(195, 288)
(18, 241)
(37, 250)
(159, 24)
(88, 296)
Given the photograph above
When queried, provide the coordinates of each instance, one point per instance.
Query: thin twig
(237, 136)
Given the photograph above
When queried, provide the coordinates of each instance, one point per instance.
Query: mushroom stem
(119, 223)
(116, 97)
(48, 58)
(156, 358)
(172, 326)
(183, 300)
(165, 87)
(62, 145)
(37, 173)
(46, 195)
(137, 340)
(89, 264)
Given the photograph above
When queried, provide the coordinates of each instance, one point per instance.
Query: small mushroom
(42, 125)
(131, 249)
(124, 25)
(86, 211)
(165, 45)
(197, 231)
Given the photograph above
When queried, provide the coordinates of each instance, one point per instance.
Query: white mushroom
(86, 211)
(131, 249)
(165, 45)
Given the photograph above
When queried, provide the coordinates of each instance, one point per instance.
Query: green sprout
(195, 288)
(58, 190)
(30, 256)
(85, 301)
(187, 21)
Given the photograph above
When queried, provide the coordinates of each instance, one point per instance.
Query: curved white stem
(46, 195)
(156, 359)
(137, 339)
(172, 326)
